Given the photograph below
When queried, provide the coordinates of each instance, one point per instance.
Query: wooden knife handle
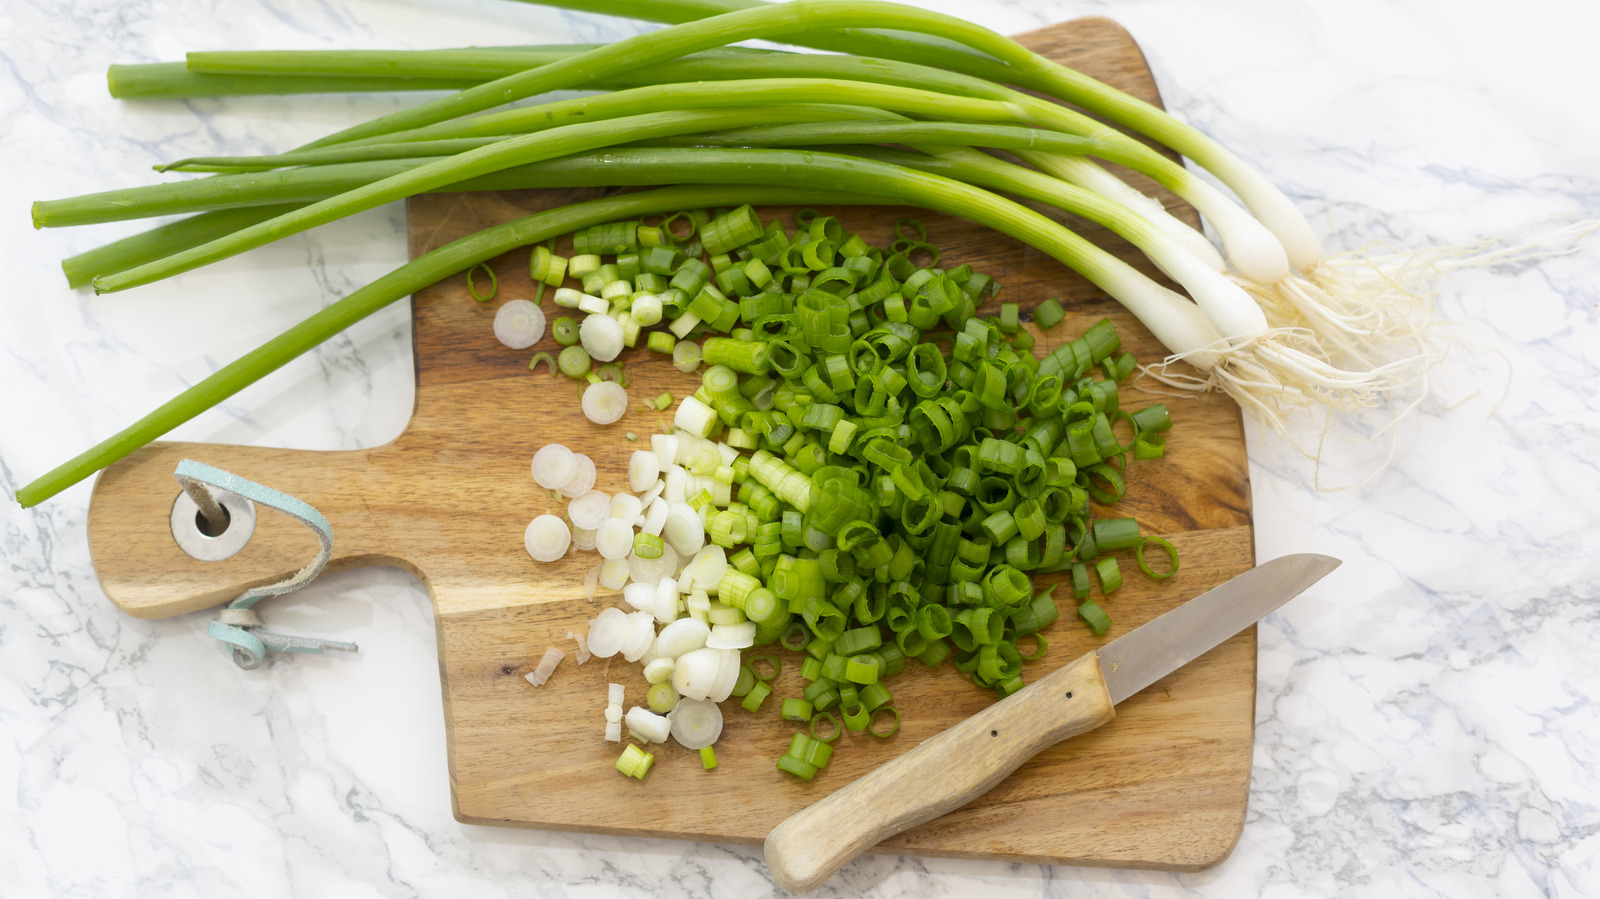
(938, 776)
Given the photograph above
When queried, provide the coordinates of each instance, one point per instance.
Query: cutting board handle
(938, 775)
(147, 574)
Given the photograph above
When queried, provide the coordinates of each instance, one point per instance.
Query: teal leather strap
(238, 625)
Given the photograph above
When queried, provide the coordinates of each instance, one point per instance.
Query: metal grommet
(197, 543)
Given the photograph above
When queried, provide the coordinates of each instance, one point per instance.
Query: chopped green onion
(773, 667)
(831, 722)
(1172, 558)
(798, 768)
(708, 758)
(662, 697)
(1048, 314)
(1110, 574)
(542, 357)
(745, 682)
(1094, 616)
(472, 286)
(856, 716)
(757, 695)
(564, 330)
(1080, 580)
(1112, 534)
(574, 361)
(884, 731)
(647, 546)
(796, 710)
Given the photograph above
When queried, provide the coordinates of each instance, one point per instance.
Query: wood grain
(1164, 785)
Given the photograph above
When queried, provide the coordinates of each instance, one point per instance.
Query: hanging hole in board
(204, 525)
(197, 537)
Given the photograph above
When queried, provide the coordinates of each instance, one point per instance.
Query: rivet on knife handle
(938, 776)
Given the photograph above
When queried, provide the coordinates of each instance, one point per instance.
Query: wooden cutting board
(1164, 785)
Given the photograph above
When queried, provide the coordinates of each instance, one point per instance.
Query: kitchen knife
(975, 755)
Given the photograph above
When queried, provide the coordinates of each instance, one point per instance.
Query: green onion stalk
(1253, 250)
(1369, 310)
(426, 269)
(761, 92)
(1007, 63)
(1348, 303)
(432, 175)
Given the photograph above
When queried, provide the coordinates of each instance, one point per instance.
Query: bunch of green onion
(902, 114)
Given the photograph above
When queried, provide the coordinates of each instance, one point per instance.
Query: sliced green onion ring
(1172, 556)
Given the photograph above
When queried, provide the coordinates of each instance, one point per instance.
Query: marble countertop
(1425, 720)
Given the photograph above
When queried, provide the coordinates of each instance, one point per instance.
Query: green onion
(885, 722)
(800, 769)
(661, 698)
(414, 275)
(1097, 619)
(708, 758)
(757, 695)
(1048, 314)
(472, 285)
(1172, 558)
(542, 357)
(574, 362)
(796, 710)
(826, 720)
(1109, 573)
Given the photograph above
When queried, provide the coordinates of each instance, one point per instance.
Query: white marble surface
(1425, 720)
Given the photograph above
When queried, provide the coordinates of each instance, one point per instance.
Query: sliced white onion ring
(614, 573)
(696, 672)
(682, 637)
(696, 723)
(583, 481)
(589, 510)
(732, 636)
(708, 567)
(606, 633)
(666, 602)
(659, 670)
(553, 466)
(653, 570)
(655, 516)
(604, 403)
(626, 506)
(727, 674)
(641, 596)
(665, 446)
(641, 632)
(583, 539)
(614, 538)
(547, 538)
(647, 725)
(519, 324)
(601, 336)
(684, 529)
(644, 467)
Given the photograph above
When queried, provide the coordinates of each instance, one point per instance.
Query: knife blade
(975, 755)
